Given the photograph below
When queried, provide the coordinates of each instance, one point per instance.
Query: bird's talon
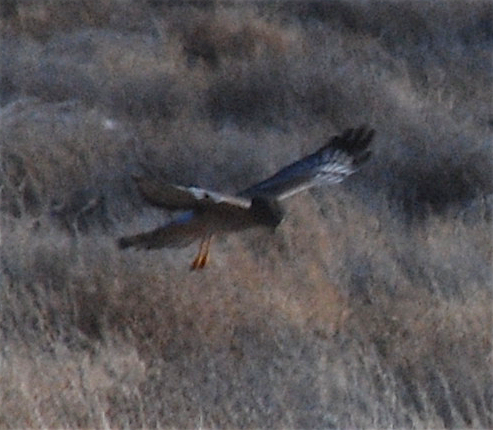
(195, 264)
(203, 261)
(199, 262)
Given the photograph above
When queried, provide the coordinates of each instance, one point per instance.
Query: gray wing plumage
(331, 164)
(177, 197)
(178, 233)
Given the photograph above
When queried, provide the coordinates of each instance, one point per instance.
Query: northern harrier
(210, 212)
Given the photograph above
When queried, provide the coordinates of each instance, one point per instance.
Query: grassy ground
(369, 307)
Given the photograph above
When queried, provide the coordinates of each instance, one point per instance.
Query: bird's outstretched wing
(190, 225)
(177, 197)
(331, 164)
(178, 233)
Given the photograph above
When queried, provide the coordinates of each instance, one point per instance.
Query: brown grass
(369, 307)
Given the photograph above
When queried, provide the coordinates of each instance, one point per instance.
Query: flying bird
(210, 212)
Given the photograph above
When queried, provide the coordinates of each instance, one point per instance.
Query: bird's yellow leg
(196, 263)
(203, 255)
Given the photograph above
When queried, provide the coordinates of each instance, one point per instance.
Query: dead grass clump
(19, 194)
(406, 31)
(44, 19)
(150, 98)
(249, 97)
(228, 35)
(69, 393)
(446, 186)
(9, 9)
(423, 346)
(57, 83)
(137, 77)
(43, 145)
(41, 19)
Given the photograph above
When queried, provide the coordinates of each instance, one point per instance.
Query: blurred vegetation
(370, 307)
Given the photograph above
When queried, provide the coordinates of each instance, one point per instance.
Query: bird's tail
(176, 234)
(138, 241)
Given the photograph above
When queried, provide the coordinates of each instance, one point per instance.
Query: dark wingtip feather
(362, 158)
(354, 141)
(136, 241)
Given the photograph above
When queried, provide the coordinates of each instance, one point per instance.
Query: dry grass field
(371, 304)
